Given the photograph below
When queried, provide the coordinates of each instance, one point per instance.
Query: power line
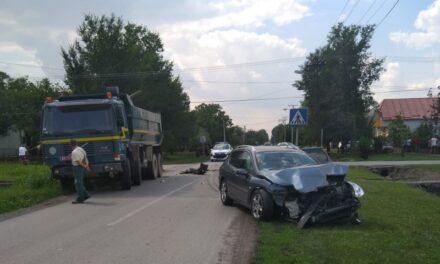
(375, 12)
(387, 13)
(31, 65)
(342, 11)
(351, 11)
(366, 12)
(246, 100)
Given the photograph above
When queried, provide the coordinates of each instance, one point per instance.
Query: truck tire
(152, 170)
(136, 173)
(159, 165)
(126, 176)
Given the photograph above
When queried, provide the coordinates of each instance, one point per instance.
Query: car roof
(268, 148)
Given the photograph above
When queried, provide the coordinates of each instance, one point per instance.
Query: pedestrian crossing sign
(298, 117)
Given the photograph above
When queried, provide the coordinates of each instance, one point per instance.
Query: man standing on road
(80, 165)
(22, 151)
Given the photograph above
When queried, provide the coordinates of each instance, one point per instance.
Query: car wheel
(226, 200)
(261, 205)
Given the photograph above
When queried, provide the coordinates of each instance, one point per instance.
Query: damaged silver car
(278, 180)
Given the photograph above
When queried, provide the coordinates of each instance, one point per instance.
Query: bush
(364, 147)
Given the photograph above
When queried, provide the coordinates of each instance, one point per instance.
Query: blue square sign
(298, 117)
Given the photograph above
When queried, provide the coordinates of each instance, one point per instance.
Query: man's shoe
(76, 202)
(87, 197)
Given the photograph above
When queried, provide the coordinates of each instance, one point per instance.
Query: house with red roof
(412, 111)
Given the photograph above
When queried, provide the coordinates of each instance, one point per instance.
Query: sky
(237, 49)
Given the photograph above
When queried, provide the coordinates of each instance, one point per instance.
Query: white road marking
(130, 214)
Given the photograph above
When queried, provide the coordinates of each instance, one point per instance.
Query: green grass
(183, 157)
(401, 224)
(386, 157)
(31, 185)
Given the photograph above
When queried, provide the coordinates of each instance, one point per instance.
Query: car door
(242, 167)
(242, 180)
(232, 181)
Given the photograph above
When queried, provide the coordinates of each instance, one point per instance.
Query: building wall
(412, 124)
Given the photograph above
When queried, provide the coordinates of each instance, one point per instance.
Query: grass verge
(30, 185)
(386, 157)
(401, 225)
(183, 157)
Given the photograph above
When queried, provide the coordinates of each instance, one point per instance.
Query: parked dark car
(282, 180)
(318, 154)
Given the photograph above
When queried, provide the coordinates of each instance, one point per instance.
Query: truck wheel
(159, 165)
(136, 173)
(126, 176)
(152, 170)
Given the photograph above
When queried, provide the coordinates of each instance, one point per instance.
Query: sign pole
(296, 140)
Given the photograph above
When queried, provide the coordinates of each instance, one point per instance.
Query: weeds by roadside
(27, 186)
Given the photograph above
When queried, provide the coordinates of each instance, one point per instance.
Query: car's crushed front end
(315, 194)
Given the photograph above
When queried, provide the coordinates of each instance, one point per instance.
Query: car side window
(242, 160)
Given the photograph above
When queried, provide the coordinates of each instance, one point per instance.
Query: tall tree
(111, 52)
(21, 103)
(336, 80)
(212, 119)
(256, 137)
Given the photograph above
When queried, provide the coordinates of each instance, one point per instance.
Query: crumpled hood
(306, 178)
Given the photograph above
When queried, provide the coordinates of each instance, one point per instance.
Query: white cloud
(428, 25)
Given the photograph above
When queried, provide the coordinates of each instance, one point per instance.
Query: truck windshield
(90, 119)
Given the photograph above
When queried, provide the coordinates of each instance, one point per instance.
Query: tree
(277, 134)
(212, 119)
(21, 105)
(111, 52)
(256, 137)
(336, 81)
(398, 131)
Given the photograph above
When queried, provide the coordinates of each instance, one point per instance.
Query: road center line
(130, 214)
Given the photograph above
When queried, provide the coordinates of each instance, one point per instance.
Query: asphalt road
(176, 219)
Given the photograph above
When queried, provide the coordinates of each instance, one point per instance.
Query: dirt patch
(239, 242)
(424, 179)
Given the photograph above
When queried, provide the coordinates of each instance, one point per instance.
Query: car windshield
(96, 119)
(282, 160)
(221, 146)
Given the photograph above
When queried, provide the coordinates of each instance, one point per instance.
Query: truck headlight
(52, 150)
(357, 190)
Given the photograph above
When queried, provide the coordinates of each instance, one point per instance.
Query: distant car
(387, 147)
(318, 154)
(267, 143)
(289, 182)
(220, 151)
(288, 144)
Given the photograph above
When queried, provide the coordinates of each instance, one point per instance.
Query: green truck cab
(121, 140)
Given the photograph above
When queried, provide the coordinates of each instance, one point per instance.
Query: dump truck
(122, 141)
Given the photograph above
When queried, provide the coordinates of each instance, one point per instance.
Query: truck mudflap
(96, 170)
